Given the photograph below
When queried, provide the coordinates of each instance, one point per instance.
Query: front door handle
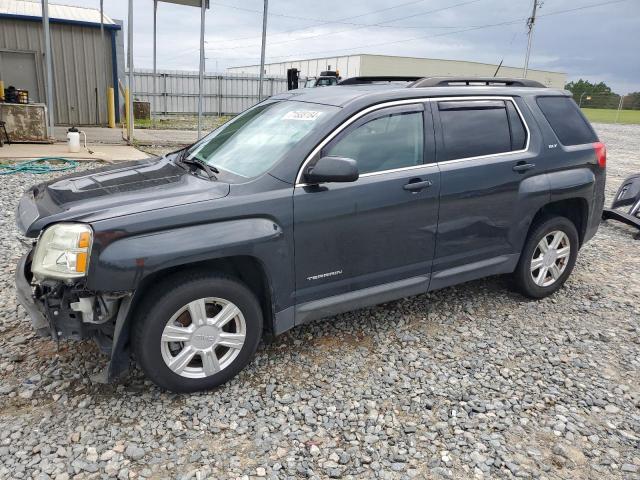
(416, 185)
(523, 167)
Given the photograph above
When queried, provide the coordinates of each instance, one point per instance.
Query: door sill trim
(357, 299)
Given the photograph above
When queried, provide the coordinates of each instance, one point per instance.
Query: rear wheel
(197, 332)
(548, 257)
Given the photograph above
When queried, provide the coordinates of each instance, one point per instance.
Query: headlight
(62, 252)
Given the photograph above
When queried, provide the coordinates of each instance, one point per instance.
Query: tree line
(599, 95)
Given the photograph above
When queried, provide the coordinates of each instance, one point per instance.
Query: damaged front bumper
(65, 311)
(36, 310)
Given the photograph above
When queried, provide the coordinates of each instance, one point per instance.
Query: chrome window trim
(348, 122)
(400, 169)
(505, 98)
(360, 114)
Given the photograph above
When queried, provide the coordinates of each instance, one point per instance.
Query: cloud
(597, 43)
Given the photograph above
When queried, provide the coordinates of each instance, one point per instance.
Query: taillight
(601, 154)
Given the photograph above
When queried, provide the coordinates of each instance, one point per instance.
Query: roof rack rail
(374, 79)
(475, 81)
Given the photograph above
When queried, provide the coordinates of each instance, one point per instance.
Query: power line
(360, 26)
(322, 21)
(313, 19)
(509, 22)
(466, 29)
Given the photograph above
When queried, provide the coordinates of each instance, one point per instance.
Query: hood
(113, 191)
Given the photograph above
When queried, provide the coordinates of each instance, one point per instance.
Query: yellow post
(111, 108)
(127, 113)
(1, 90)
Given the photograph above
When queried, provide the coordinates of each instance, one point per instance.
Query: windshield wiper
(210, 171)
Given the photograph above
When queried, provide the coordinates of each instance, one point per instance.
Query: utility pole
(264, 44)
(530, 23)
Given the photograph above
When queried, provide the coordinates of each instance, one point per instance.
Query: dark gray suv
(311, 203)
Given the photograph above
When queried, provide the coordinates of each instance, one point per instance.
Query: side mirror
(332, 169)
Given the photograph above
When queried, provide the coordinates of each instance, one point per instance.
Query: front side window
(255, 140)
(391, 141)
(473, 128)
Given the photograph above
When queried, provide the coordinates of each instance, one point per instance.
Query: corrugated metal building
(84, 64)
(369, 65)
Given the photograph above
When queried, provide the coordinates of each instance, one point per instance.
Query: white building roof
(69, 13)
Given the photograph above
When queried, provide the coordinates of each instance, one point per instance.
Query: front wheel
(197, 332)
(548, 257)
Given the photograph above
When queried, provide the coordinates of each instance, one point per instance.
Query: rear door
(380, 228)
(483, 158)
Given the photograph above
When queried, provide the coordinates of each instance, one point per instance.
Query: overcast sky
(599, 44)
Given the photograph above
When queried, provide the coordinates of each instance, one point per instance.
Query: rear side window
(472, 128)
(567, 122)
(518, 132)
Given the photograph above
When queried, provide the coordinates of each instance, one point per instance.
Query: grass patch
(608, 115)
(182, 122)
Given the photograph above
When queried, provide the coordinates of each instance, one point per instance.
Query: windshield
(325, 82)
(256, 139)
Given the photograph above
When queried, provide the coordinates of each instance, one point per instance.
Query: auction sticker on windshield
(306, 115)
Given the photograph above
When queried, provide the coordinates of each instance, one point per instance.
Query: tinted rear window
(567, 122)
(472, 128)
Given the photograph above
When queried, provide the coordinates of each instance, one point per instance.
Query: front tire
(548, 257)
(197, 331)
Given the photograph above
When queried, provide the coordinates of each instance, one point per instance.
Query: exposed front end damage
(67, 310)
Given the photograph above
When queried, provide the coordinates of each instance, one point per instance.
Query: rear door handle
(523, 167)
(415, 185)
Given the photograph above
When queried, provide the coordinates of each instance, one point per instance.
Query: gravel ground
(468, 382)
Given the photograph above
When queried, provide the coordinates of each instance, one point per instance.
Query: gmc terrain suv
(313, 202)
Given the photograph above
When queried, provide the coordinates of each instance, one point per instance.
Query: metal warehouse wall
(177, 91)
(366, 64)
(349, 66)
(81, 64)
(390, 65)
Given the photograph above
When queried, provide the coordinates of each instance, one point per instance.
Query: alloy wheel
(203, 337)
(550, 258)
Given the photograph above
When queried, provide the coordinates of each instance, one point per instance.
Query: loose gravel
(468, 382)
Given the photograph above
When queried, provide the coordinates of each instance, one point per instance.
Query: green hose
(38, 166)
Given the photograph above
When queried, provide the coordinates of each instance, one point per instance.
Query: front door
(381, 228)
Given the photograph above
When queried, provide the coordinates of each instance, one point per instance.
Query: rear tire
(196, 331)
(548, 257)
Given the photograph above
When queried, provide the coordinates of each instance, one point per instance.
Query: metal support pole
(264, 45)
(48, 66)
(106, 74)
(530, 23)
(154, 98)
(203, 6)
(619, 108)
(130, 118)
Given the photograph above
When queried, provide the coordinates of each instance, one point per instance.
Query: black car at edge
(311, 203)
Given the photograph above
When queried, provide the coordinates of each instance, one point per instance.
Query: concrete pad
(106, 153)
(112, 136)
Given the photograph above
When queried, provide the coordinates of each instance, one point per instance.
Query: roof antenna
(498, 69)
